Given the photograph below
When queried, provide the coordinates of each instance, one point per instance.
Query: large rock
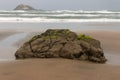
(24, 7)
(62, 43)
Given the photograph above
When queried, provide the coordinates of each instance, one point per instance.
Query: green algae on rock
(83, 37)
(62, 43)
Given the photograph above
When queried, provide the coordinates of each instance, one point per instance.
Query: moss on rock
(83, 37)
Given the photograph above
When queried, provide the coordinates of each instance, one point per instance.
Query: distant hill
(24, 7)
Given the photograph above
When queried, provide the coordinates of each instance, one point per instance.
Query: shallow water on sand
(113, 59)
(6, 46)
(9, 41)
(115, 26)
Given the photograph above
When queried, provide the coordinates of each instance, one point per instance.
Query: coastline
(59, 69)
(109, 40)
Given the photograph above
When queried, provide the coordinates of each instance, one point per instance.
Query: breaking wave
(59, 16)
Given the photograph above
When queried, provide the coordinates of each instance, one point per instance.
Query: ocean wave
(13, 11)
(62, 15)
(56, 20)
(81, 11)
(60, 11)
(59, 16)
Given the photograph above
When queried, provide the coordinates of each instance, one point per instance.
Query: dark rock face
(24, 7)
(62, 43)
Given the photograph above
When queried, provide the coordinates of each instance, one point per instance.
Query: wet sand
(6, 33)
(57, 69)
(64, 69)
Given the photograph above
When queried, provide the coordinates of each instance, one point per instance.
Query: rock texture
(62, 43)
(24, 7)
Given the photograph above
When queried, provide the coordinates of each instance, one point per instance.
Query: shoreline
(60, 69)
(107, 39)
(6, 33)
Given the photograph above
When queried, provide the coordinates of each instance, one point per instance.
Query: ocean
(41, 20)
(59, 16)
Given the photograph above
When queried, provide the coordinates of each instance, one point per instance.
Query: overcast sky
(63, 4)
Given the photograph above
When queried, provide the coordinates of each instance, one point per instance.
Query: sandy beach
(63, 69)
(57, 69)
(26, 31)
